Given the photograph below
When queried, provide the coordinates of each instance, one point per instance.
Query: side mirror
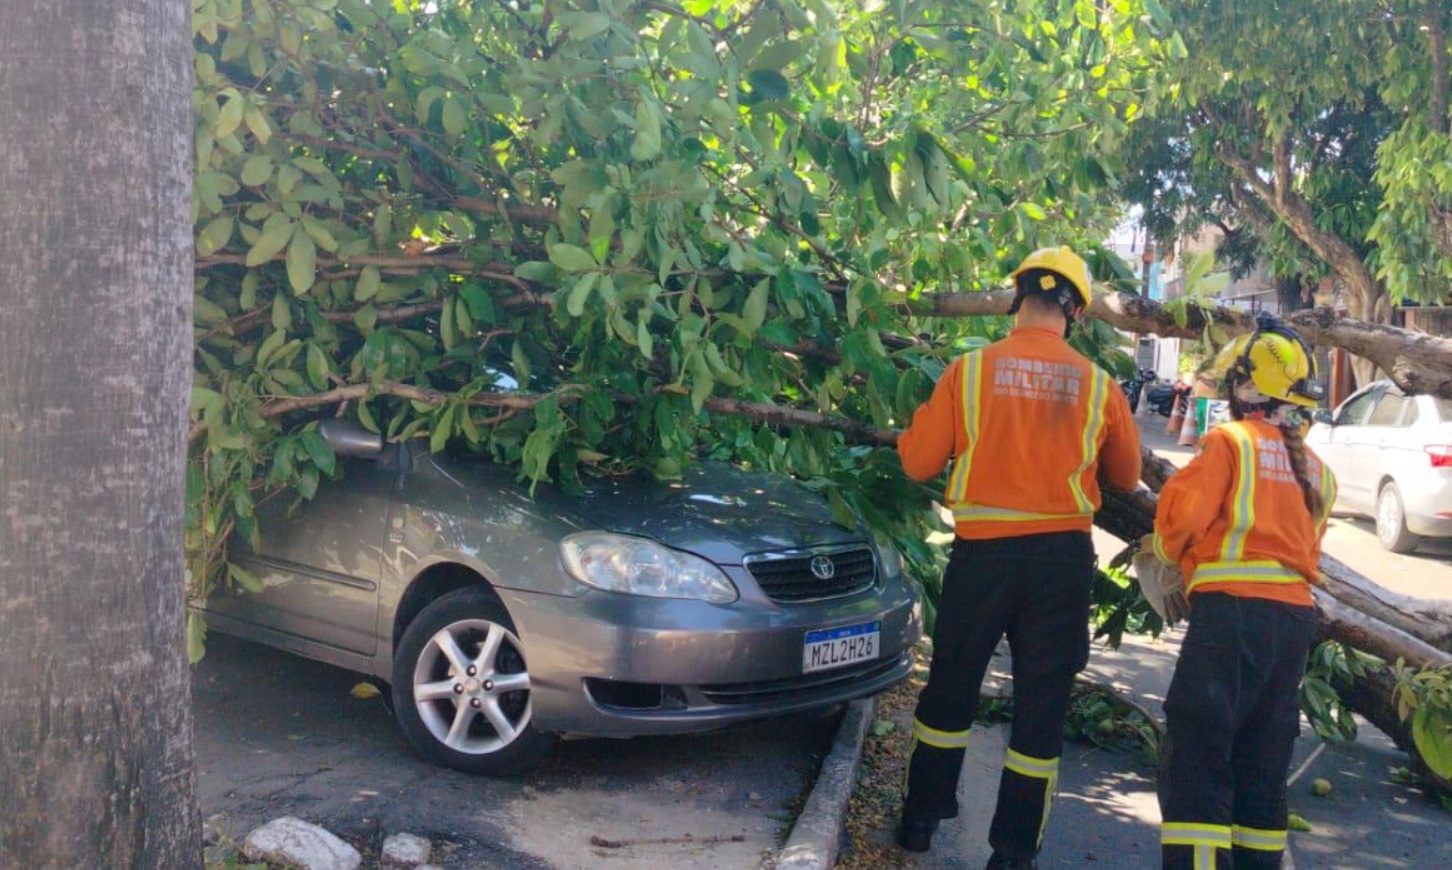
(348, 439)
(1323, 415)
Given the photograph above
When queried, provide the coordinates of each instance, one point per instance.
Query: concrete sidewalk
(1107, 814)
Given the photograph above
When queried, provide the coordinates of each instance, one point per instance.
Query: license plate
(828, 648)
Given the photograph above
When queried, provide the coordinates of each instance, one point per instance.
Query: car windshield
(1444, 409)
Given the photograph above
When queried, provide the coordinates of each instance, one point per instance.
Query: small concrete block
(292, 842)
(406, 850)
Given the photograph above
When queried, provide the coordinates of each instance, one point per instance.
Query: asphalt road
(280, 735)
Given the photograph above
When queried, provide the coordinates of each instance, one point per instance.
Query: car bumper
(617, 665)
(1424, 496)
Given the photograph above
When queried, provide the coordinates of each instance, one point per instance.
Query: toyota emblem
(823, 568)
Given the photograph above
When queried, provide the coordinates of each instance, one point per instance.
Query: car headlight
(638, 566)
(890, 559)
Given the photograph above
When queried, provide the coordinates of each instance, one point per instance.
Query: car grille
(795, 687)
(788, 577)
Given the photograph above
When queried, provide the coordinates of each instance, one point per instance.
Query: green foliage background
(635, 210)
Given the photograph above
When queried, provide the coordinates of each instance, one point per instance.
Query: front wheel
(1391, 522)
(461, 690)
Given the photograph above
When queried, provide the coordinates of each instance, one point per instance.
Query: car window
(1388, 411)
(1444, 409)
(1353, 413)
(1411, 414)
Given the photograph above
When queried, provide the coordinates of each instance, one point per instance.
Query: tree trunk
(95, 349)
(1428, 621)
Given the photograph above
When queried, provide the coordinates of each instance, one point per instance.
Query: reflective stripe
(972, 393)
(1242, 496)
(1328, 497)
(1204, 857)
(1253, 571)
(988, 512)
(1046, 769)
(1195, 834)
(940, 739)
(1157, 545)
(1098, 399)
(1039, 768)
(1257, 838)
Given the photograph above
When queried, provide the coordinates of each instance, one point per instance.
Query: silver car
(502, 620)
(1392, 456)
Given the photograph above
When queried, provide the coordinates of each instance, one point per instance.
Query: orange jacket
(1234, 519)
(1030, 422)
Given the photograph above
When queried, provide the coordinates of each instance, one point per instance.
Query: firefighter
(1243, 521)
(1031, 426)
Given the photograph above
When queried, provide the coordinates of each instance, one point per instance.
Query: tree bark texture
(95, 349)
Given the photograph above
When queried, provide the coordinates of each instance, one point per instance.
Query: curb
(816, 837)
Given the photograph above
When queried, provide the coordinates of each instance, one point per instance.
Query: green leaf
(270, 243)
(369, 280)
(307, 482)
(270, 346)
(521, 365)
(317, 367)
(365, 319)
(229, 118)
(319, 450)
(365, 416)
(257, 122)
(245, 580)
(754, 311)
(320, 234)
(302, 260)
(214, 236)
(1432, 732)
(647, 131)
(196, 636)
(584, 25)
(580, 294)
(1033, 210)
(572, 258)
(256, 170)
(281, 313)
(442, 430)
(768, 84)
(454, 119)
(481, 305)
(644, 339)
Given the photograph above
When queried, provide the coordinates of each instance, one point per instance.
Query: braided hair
(1290, 426)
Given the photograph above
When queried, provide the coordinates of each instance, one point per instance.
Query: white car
(1392, 456)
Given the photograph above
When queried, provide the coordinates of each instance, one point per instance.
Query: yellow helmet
(1063, 261)
(1276, 361)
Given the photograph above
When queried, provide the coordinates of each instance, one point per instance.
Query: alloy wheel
(471, 688)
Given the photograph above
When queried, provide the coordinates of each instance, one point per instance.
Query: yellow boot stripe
(1258, 838)
(1046, 769)
(940, 739)
(1195, 834)
(1039, 768)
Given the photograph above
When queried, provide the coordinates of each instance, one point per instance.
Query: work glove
(1161, 584)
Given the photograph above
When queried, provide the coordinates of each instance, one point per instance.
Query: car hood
(716, 510)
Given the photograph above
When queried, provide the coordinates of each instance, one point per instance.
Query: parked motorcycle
(1134, 386)
(1160, 397)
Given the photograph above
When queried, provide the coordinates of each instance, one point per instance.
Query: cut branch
(1417, 362)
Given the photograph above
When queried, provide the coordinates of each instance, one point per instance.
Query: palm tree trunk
(95, 348)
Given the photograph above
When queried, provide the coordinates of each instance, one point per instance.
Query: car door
(1346, 437)
(319, 561)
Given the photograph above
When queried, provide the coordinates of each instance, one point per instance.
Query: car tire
(462, 719)
(1391, 522)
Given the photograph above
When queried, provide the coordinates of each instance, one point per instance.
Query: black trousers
(1035, 589)
(1231, 724)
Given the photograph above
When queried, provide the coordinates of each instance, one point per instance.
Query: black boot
(1000, 861)
(915, 834)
